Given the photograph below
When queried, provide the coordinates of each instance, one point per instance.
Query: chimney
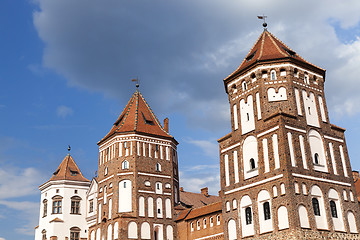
(181, 189)
(356, 175)
(205, 191)
(166, 125)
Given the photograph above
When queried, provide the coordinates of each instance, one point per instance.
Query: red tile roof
(195, 200)
(268, 48)
(205, 210)
(68, 170)
(137, 116)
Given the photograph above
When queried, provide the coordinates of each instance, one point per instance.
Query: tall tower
(63, 204)
(285, 170)
(137, 178)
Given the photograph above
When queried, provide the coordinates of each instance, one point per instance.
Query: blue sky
(66, 66)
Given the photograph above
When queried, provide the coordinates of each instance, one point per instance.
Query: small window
(233, 87)
(156, 147)
(124, 184)
(296, 73)
(309, 110)
(45, 208)
(91, 206)
(316, 159)
(248, 215)
(244, 86)
(253, 77)
(204, 223)
(106, 171)
(125, 164)
(159, 211)
(252, 164)
(333, 209)
(247, 117)
(316, 206)
(125, 144)
(264, 74)
(218, 220)
(306, 79)
(267, 214)
(192, 226)
(273, 75)
(75, 191)
(198, 225)
(43, 232)
(158, 167)
(211, 222)
(57, 190)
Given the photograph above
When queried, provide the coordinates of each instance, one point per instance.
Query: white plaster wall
(116, 230)
(250, 150)
(235, 113)
(145, 230)
(236, 167)
(298, 103)
(160, 231)
(311, 113)
(159, 214)
(125, 192)
(322, 109)
(342, 156)
(141, 206)
(338, 222)
(109, 232)
(291, 148)
(303, 153)
(283, 218)
(247, 115)
(226, 168)
(321, 221)
(303, 216)
(169, 232)
(352, 222)
(317, 146)
(62, 229)
(274, 96)
(150, 207)
(258, 105)
(232, 230)
(168, 208)
(91, 195)
(333, 162)
(265, 225)
(246, 229)
(276, 151)
(132, 230)
(266, 155)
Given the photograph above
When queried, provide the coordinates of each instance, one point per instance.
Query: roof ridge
(277, 47)
(262, 45)
(136, 110)
(127, 112)
(207, 205)
(152, 113)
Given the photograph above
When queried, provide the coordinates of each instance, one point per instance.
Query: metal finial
(137, 85)
(69, 148)
(264, 18)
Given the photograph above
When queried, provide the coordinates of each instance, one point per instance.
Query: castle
(284, 168)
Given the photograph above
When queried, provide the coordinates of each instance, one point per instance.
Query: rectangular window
(91, 206)
(74, 236)
(75, 206)
(45, 208)
(56, 207)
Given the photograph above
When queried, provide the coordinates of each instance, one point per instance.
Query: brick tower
(137, 178)
(285, 170)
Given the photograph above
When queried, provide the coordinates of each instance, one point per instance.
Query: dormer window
(56, 172)
(290, 52)
(250, 56)
(73, 172)
(147, 119)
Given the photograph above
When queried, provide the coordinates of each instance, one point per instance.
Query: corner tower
(285, 170)
(137, 178)
(63, 204)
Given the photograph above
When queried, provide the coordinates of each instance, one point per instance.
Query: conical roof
(268, 48)
(68, 170)
(137, 116)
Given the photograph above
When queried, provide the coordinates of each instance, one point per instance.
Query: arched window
(316, 158)
(57, 203)
(244, 86)
(132, 230)
(252, 163)
(145, 230)
(227, 206)
(125, 164)
(316, 206)
(75, 233)
(273, 75)
(158, 167)
(266, 206)
(204, 223)
(333, 209)
(218, 220)
(44, 208)
(248, 215)
(211, 222)
(43, 232)
(303, 217)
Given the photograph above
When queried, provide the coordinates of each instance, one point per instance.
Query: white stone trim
(105, 179)
(268, 131)
(110, 194)
(153, 175)
(168, 194)
(307, 86)
(231, 147)
(321, 179)
(126, 173)
(145, 191)
(77, 184)
(295, 129)
(210, 236)
(334, 139)
(269, 67)
(254, 184)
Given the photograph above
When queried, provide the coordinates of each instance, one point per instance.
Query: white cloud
(64, 111)
(2, 238)
(209, 147)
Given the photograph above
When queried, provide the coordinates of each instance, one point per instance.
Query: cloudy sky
(66, 68)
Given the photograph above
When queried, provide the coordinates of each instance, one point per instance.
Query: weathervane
(69, 148)
(137, 82)
(264, 18)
